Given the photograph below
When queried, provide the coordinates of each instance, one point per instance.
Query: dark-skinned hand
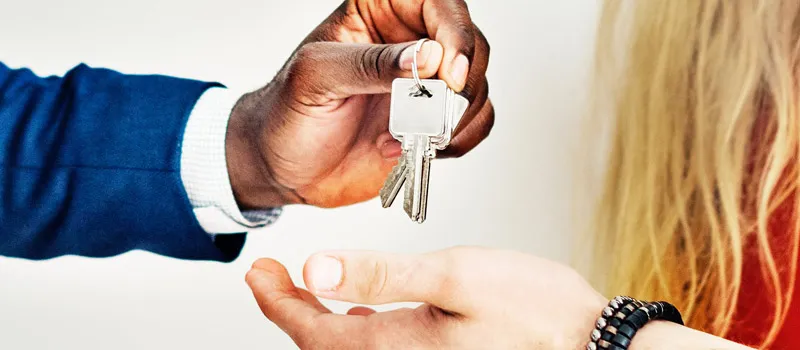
(318, 132)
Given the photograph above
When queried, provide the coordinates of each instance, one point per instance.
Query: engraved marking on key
(417, 92)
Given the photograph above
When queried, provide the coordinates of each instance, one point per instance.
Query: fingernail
(407, 57)
(326, 273)
(459, 70)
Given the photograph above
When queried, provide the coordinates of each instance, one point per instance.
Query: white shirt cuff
(204, 170)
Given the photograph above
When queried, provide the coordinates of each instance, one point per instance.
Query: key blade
(424, 179)
(408, 198)
(394, 182)
(414, 180)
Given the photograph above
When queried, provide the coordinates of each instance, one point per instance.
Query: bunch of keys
(422, 116)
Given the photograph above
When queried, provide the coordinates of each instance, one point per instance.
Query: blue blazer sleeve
(89, 165)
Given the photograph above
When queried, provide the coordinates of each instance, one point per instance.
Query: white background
(513, 191)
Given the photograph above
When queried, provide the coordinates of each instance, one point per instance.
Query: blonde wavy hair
(700, 100)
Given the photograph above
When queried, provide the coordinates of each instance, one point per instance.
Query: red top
(752, 319)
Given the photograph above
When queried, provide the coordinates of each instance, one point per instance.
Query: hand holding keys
(422, 116)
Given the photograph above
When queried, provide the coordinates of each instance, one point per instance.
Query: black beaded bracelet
(623, 317)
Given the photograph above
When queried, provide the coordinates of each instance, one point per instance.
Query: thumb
(379, 278)
(340, 70)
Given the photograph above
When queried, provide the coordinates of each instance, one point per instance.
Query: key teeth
(407, 203)
(386, 202)
(394, 182)
(386, 197)
(408, 194)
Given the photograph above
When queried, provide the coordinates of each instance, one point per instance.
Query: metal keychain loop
(415, 67)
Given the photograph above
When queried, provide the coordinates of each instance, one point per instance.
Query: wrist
(658, 334)
(587, 321)
(252, 182)
(627, 323)
(668, 335)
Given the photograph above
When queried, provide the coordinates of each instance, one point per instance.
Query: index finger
(449, 23)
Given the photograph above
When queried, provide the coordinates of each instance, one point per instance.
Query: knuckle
(450, 282)
(298, 66)
(309, 51)
(468, 46)
(476, 89)
(377, 281)
(465, 32)
(463, 21)
(459, 23)
(302, 63)
(452, 266)
(372, 61)
(482, 42)
(436, 271)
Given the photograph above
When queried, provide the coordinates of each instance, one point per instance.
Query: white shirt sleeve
(204, 170)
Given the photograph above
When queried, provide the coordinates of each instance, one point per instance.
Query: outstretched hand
(473, 299)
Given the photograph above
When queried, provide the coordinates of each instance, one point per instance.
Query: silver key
(423, 115)
(417, 177)
(457, 107)
(416, 119)
(424, 123)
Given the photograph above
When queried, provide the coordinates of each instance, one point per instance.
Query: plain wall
(513, 191)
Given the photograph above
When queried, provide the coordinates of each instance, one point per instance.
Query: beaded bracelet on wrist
(623, 317)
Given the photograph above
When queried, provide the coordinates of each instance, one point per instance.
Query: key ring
(415, 69)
